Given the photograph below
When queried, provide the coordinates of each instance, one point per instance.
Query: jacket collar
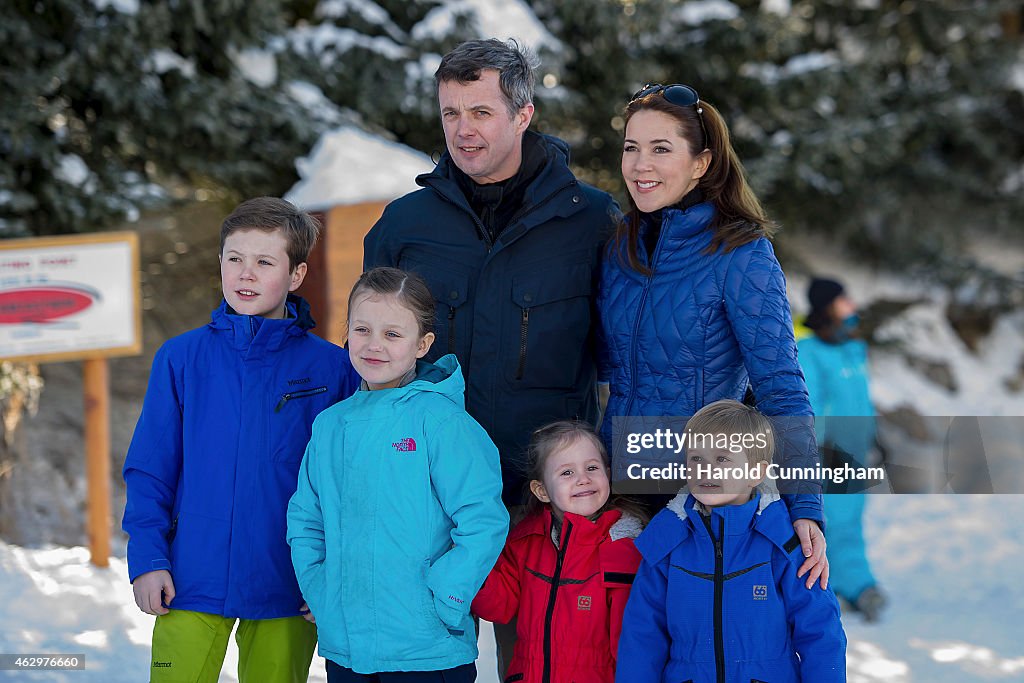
(247, 331)
(443, 377)
(731, 519)
(612, 523)
(766, 512)
(682, 221)
(534, 160)
(540, 197)
(765, 493)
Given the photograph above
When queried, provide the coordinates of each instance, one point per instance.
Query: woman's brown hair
(739, 216)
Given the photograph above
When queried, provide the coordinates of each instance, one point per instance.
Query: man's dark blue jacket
(516, 311)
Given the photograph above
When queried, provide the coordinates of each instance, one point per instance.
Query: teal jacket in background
(395, 524)
(837, 382)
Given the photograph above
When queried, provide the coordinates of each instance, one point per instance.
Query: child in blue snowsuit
(717, 597)
(398, 517)
(215, 457)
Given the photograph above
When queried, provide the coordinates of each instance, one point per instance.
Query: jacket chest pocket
(546, 344)
(291, 421)
(451, 315)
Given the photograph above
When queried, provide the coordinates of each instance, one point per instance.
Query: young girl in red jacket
(567, 567)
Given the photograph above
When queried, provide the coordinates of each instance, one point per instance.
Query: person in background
(835, 366)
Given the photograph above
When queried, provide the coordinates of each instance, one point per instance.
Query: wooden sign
(70, 298)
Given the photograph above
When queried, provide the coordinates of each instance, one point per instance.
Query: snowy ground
(953, 566)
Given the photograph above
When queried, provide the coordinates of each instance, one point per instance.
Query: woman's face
(656, 161)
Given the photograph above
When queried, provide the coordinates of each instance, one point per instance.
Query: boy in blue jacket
(397, 518)
(717, 598)
(215, 458)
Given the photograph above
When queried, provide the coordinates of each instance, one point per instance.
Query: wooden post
(96, 385)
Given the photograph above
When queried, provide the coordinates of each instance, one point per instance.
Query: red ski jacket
(568, 598)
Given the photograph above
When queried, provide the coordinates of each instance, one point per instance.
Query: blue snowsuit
(717, 599)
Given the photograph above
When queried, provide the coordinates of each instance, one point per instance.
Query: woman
(692, 300)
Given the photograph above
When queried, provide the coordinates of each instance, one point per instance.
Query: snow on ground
(952, 566)
(53, 601)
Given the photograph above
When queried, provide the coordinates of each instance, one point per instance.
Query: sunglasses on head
(677, 94)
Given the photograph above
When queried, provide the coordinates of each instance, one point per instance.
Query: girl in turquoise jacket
(398, 517)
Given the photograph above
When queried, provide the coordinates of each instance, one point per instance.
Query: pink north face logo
(405, 445)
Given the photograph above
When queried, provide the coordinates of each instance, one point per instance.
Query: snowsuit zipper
(298, 394)
(719, 598)
(546, 678)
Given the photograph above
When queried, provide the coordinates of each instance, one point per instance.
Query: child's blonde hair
(732, 417)
(555, 436)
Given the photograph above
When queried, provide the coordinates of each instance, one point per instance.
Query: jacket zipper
(636, 322)
(522, 343)
(298, 394)
(451, 329)
(524, 211)
(546, 678)
(719, 598)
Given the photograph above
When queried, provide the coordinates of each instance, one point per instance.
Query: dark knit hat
(821, 293)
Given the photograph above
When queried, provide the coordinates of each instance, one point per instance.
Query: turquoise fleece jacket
(395, 524)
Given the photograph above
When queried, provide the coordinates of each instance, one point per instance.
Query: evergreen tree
(377, 59)
(106, 101)
(888, 124)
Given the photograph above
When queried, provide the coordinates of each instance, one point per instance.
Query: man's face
(484, 141)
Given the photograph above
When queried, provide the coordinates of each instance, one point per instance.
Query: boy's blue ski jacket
(215, 458)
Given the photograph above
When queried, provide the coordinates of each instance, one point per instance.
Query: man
(509, 241)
